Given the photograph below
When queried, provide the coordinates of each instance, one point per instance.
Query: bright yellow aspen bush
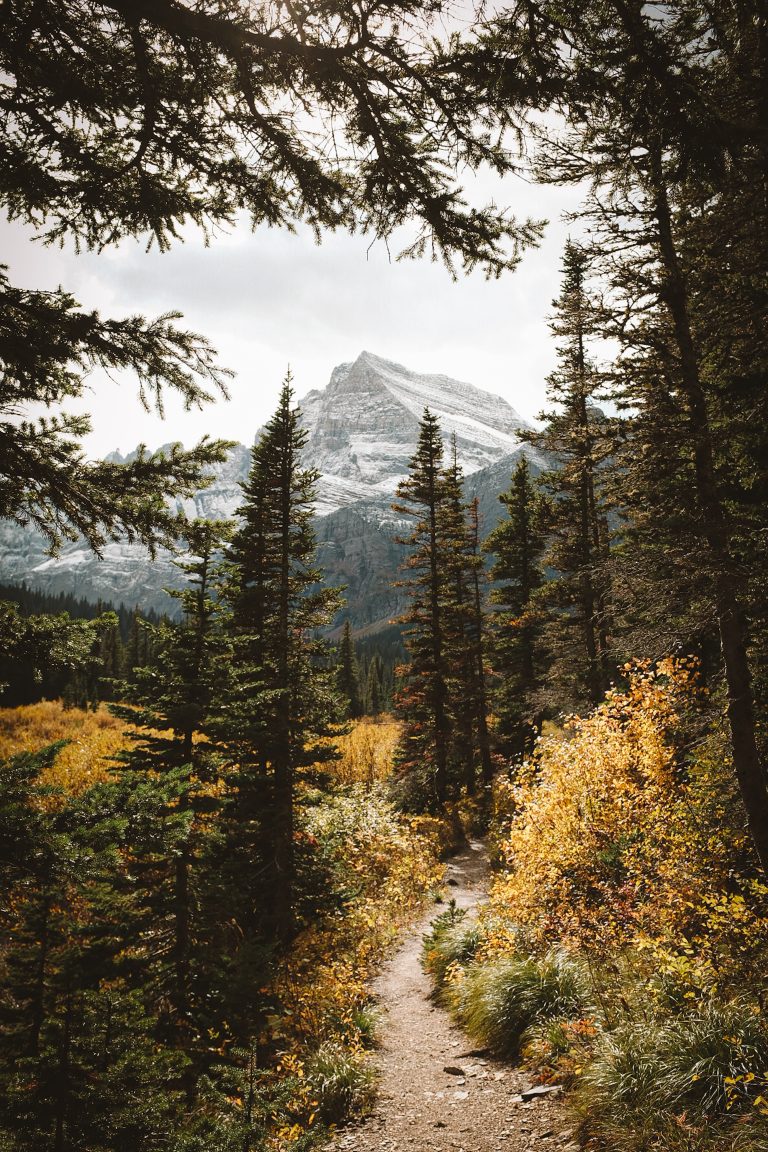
(587, 826)
(620, 841)
(366, 752)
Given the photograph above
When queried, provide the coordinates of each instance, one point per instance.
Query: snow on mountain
(363, 429)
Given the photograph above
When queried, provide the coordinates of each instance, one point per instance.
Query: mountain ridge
(361, 434)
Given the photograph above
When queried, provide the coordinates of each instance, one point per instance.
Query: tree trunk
(181, 909)
(483, 735)
(282, 762)
(37, 1009)
(728, 591)
(439, 689)
(62, 1079)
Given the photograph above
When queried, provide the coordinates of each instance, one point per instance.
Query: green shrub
(703, 1070)
(341, 1081)
(497, 1003)
(365, 1022)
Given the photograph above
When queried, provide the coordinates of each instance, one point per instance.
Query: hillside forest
(213, 827)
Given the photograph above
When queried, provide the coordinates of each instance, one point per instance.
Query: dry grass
(94, 740)
(367, 751)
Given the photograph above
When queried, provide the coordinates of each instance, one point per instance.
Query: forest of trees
(119, 974)
(148, 914)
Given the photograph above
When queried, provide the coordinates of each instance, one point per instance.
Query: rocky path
(436, 1093)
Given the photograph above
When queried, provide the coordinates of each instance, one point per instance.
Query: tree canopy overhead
(130, 119)
(47, 347)
(125, 118)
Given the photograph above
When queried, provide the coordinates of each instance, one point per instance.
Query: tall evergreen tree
(423, 700)
(82, 1064)
(373, 687)
(460, 659)
(348, 673)
(671, 141)
(477, 645)
(517, 545)
(281, 699)
(577, 435)
(168, 702)
(464, 630)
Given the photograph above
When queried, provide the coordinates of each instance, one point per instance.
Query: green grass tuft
(497, 1003)
(341, 1081)
(701, 1072)
(451, 941)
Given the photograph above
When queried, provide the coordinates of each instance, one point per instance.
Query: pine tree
(47, 346)
(460, 660)
(577, 434)
(82, 1066)
(120, 170)
(672, 144)
(423, 700)
(373, 688)
(517, 545)
(465, 632)
(348, 674)
(477, 647)
(281, 700)
(168, 700)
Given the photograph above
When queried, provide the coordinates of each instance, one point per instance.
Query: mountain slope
(362, 431)
(364, 425)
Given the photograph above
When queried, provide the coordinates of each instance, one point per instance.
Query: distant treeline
(56, 657)
(367, 669)
(123, 640)
(34, 602)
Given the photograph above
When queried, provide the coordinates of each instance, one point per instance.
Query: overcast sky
(268, 299)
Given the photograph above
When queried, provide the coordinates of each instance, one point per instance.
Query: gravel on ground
(436, 1092)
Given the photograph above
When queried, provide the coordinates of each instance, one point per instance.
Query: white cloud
(267, 299)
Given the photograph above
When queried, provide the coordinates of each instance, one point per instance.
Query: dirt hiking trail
(436, 1092)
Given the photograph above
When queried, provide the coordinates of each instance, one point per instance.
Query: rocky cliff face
(362, 433)
(363, 428)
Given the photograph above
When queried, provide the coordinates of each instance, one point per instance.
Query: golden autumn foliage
(94, 739)
(624, 949)
(379, 870)
(589, 828)
(366, 867)
(612, 840)
(366, 752)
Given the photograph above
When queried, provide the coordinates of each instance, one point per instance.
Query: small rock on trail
(436, 1093)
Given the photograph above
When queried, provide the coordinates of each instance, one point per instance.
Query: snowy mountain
(125, 573)
(362, 430)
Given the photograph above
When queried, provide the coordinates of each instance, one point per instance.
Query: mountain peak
(363, 427)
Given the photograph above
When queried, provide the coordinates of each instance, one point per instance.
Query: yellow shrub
(576, 864)
(366, 751)
(322, 985)
(615, 844)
